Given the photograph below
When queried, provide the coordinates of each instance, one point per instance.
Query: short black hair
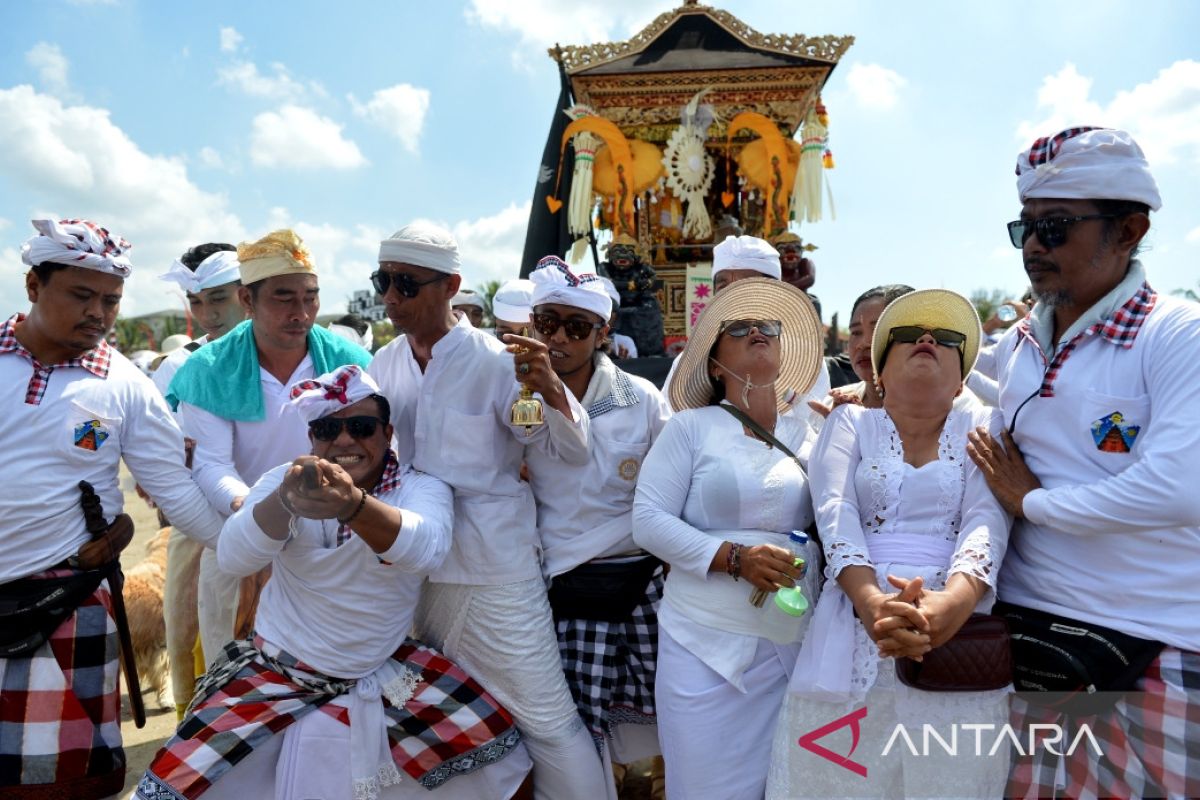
(1117, 210)
(254, 286)
(887, 293)
(385, 408)
(354, 321)
(194, 257)
(44, 270)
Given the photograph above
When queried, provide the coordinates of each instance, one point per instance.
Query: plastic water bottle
(792, 601)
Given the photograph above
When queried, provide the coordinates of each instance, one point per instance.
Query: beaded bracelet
(733, 560)
(362, 502)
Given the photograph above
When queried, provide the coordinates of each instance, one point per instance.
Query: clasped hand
(331, 495)
(915, 620)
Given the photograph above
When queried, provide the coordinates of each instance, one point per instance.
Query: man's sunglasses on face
(1051, 231)
(327, 429)
(911, 334)
(406, 285)
(577, 329)
(737, 328)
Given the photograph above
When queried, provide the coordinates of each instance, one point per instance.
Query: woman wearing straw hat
(718, 494)
(899, 506)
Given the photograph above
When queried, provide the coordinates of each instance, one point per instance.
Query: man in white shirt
(1098, 390)
(608, 639)
(74, 407)
(232, 399)
(209, 276)
(468, 303)
(452, 388)
(350, 544)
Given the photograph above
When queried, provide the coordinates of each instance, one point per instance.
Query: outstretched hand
(318, 489)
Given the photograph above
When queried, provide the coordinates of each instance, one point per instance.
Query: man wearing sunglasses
(350, 534)
(1098, 387)
(232, 400)
(452, 388)
(608, 641)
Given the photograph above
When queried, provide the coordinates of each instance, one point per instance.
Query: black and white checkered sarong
(610, 665)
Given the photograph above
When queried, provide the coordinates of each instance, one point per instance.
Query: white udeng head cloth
(422, 244)
(77, 243)
(1087, 164)
(613, 294)
(513, 301)
(332, 392)
(218, 269)
(554, 282)
(747, 252)
(468, 297)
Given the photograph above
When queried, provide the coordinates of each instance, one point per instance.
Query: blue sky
(176, 123)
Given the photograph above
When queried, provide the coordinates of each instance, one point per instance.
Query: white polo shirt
(454, 422)
(585, 511)
(1113, 535)
(71, 422)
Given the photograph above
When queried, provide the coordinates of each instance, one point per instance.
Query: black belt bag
(602, 590)
(32, 608)
(1073, 661)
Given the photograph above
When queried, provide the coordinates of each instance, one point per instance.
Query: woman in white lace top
(716, 501)
(899, 505)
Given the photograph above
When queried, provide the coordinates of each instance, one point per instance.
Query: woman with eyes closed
(718, 495)
(913, 543)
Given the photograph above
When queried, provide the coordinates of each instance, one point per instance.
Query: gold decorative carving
(830, 49)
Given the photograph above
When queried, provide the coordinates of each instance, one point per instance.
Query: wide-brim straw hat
(930, 308)
(753, 298)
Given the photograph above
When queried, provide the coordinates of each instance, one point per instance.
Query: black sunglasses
(1051, 231)
(910, 334)
(737, 328)
(327, 429)
(407, 285)
(577, 329)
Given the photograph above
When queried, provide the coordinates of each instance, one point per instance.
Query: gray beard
(1055, 299)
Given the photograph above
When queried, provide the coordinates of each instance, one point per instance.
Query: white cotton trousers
(310, 760)
(715, 738)
(217, 598)
(503, 636)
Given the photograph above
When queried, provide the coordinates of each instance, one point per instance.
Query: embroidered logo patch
(628, 469)
(90, 435)
(1113, 435)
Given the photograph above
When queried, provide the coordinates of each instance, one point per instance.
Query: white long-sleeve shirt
(231, 455)
(340, 608)
(1113, 535)
(704, 483)
(453, 421)
(79, 428)
(585, 511)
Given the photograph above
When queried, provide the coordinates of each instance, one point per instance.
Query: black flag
(547, 233)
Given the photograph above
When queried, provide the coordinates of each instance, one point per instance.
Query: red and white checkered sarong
(1149, 741)
(60, 724)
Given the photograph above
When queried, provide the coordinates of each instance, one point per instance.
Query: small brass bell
(527, 409)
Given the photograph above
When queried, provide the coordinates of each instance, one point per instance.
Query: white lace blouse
(875, 510)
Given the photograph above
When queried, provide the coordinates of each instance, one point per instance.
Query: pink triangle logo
(809, 741)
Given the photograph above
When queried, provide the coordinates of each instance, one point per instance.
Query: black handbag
(1078, 667)
(604, 591)
(31, 608)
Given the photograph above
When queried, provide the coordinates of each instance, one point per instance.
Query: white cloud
(230, 40)
(542, 23)
(51, 65)
(399, 109)
(1163, 114)
(245, 77)
(74, 161)
(210, 158)
(491, 247)
(5, 224)
(1193, 236)
(874, 87)
(295, 136)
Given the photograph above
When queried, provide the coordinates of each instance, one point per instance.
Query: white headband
(554, 282)
(424, 245)
(613, 294)
(513, 300)
(1087, 164)
(77, 243)
(467, 298)
(218, 269)
(332, 392)
(747, 252)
